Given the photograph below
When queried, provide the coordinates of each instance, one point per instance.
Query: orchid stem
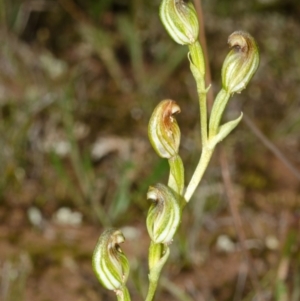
(199, 172)
(123, 295)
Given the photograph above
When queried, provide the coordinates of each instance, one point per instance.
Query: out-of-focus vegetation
(78, 82)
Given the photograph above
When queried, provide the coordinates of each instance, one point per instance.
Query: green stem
(208, 145)
(197, 66)
(176, 176)
(198, 174)
(217, 112)
(155, 254)
(203, 116)
(154, 273)
(123, 295)
(151, 290)
(197, 60)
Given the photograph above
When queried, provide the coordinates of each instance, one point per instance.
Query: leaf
(225, 130)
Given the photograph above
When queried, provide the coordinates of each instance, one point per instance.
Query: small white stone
(224, 243)
(272, 242)
(35, 216)
(62, 148)
(65, 216)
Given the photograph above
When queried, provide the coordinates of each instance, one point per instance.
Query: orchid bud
(163, 130)
(109, 262)
(180, 20)
(164, 214)
(241, 62)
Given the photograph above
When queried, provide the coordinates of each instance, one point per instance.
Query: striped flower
(164, 214)
(109, 262)
(163, 130)
(241, 62)
(180, 20)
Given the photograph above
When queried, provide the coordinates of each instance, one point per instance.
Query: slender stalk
(151, 290)
(176, 175)
(203, 117)
(198, 174)
(123, 295)
(202, 40)
(155, 251)
(198, 71)
(154, 273)
(206, 151)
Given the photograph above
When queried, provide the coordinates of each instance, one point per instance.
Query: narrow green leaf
(225, 130)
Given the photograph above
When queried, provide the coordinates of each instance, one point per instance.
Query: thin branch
(271, 146)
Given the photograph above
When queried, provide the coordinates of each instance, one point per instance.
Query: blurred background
(78, 83)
